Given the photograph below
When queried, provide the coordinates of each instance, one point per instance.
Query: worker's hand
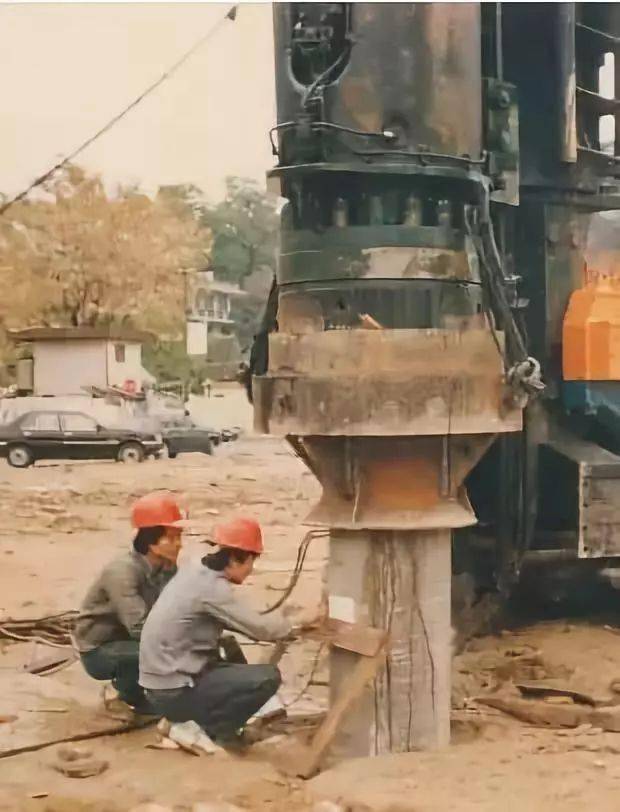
(308, 624)
(305, 618)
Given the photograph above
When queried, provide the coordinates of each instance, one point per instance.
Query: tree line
(77, 255)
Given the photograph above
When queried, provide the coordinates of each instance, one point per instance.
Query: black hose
(328, 125)
(302, 552)
(323, 77)
(522, 371)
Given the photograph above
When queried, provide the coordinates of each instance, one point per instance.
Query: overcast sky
(66, 69)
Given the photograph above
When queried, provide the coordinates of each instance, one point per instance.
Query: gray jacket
(181, 635)
(116, 605)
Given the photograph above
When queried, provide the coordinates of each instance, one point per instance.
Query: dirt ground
(60, 523)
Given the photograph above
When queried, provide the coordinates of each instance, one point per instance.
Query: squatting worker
(110, 621)
(182, 669)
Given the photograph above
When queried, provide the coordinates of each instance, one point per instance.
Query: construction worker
(191, 673)
(109, 625)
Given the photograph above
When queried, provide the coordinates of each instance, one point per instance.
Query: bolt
(503, 99)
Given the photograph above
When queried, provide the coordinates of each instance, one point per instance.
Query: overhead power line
(230, 15)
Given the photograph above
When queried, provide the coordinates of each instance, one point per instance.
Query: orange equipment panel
(591, 333)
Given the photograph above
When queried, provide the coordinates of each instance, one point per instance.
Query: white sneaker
(272, 707)
(189, 736)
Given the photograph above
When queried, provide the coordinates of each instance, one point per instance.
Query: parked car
(65, 435)
(182, 436)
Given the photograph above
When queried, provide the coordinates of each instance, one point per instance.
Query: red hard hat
(157, 509)
(244, 534)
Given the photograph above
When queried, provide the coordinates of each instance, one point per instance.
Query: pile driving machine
(442, 342)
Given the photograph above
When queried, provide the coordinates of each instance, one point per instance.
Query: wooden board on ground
(543, 714)
(538, 712)
(304, 761)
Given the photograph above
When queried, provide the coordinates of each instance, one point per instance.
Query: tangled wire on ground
(51, 630)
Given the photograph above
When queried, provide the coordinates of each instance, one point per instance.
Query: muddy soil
(60, 523)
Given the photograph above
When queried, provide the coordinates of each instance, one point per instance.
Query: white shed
(67, 359)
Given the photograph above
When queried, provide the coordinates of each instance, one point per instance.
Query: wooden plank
(539, 713)
(276, 653)
(364, 640)
(544, 715)
(355, 637)
(304, 761)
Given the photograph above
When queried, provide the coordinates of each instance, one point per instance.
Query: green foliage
(168, 361)
(245, 230)
(246, 313)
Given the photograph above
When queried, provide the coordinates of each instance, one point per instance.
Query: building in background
(74, 360)
(210, 326)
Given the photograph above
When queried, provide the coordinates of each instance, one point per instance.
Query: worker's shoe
(272, 710)
(188, 736)
(114, 705)
(120, 709)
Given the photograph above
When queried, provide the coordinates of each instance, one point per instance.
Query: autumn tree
(78, 256)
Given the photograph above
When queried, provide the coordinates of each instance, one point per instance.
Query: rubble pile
(481, 670)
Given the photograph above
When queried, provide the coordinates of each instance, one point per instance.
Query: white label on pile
(342, 608)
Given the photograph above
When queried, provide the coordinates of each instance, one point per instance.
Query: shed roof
(105, 333)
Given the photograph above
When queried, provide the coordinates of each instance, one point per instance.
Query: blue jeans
(117, 661)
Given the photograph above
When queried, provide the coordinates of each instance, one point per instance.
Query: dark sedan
(60, 435)
(183, 436)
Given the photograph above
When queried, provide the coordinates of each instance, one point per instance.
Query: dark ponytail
(219, 560)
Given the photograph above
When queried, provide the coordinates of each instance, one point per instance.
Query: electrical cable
(53, 630)
(326, 125)
(27, 638)
(310, 678)
(284, 126)
(387, 135)
(522, 371)
(230, 15)
(302, 551)
(322, 79)
(343, 56)
(423, 156)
